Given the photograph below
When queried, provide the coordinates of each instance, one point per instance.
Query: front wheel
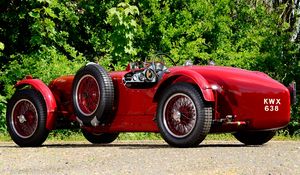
(26, 118)
(181, 116)
(254, 137)
(101, 138)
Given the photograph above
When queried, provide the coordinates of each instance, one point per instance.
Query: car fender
(47, 95)
(197, 78)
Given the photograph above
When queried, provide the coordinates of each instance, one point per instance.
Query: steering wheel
(156, 68)
(161, 57)
(159, 65)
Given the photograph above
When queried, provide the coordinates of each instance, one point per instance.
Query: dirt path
(151, 157)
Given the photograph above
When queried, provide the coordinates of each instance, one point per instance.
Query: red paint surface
(48, 97)
(240, 93)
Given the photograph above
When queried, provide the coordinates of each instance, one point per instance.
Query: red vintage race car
(182, 103)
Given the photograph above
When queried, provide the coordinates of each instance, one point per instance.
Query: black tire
(254, 137)
(26, 117)
(102, 138)
(101, 84)
(171, 121)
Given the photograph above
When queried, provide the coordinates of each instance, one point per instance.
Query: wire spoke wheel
(179, 115)
(88, 95)
(24, 118)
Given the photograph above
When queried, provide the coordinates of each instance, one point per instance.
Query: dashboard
(144, 77)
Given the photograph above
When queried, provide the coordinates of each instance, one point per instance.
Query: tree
(49, 38)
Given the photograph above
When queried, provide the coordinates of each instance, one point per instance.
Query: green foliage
(2, 114)
(49, 38)
(122, 20)
(293, 128)
(45, 64)
(231, 33)
(50, 23)
(1, 46)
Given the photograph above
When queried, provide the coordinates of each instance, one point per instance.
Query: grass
(68, 135)
(139, 136)
(4, 137)
(286, 138)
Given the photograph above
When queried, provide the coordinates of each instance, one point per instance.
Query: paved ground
(151, 157)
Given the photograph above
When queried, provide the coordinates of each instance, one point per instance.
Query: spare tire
(93, 95)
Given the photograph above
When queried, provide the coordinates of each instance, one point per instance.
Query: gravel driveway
(151, 157)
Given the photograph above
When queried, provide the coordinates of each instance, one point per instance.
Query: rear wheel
(181, 117)
(254, 137)
(26, 118)
(99, 138)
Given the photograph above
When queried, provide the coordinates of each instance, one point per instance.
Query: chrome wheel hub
(21, 118)
(176, 115)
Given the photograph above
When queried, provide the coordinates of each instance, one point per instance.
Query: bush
(2, 114)
(294, 125)
(49, 38)
(46, 64)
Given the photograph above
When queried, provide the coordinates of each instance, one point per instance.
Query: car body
(183, 103)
